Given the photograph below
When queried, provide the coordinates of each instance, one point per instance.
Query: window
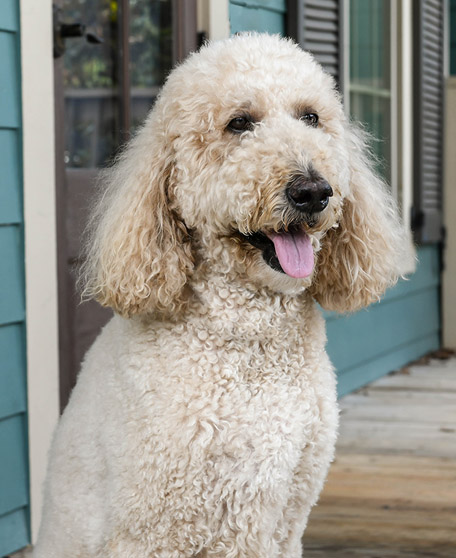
(378, 92)
(370, 83)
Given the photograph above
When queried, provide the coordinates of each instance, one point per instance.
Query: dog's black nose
(309, 195)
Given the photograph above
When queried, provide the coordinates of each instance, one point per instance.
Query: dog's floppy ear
(137, 256)
(366, 253)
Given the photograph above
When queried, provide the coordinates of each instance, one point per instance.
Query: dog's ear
(137, 256)
(366, 253)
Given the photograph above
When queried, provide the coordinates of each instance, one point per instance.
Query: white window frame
(405, 83)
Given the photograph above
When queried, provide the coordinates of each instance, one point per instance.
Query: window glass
(90, 79)
(151, 53)
(370, 74)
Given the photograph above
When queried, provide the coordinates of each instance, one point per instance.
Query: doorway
(111, 58)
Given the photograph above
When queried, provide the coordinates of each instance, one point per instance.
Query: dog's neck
(222, 260)
(235, 307)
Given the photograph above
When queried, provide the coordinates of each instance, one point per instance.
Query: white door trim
(40, 240)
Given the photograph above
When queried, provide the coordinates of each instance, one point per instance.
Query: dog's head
(247, 161)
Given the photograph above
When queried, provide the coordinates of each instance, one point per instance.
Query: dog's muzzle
(289, 249)
(308, 194)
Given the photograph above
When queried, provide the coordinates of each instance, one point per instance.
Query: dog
(204, 419)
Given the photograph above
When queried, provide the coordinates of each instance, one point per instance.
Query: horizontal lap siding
(14, 493)
(402, 327)
(263, 16)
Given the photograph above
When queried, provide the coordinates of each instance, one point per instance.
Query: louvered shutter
(317, 26)
(428, 119)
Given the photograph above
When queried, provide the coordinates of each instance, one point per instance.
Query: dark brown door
(111, 57)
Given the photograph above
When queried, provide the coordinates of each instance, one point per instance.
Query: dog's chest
(242, 423)
(245, 393)
(236, 406)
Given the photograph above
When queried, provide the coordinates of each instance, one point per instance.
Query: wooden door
(111, 57)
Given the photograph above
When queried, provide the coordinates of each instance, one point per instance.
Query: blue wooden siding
(251, 15)
(406, 323)
(14, 491)
(402, 327)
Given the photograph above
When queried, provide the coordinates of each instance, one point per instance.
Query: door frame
(40, 242)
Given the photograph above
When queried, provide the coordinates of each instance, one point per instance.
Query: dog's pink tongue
(295, 252)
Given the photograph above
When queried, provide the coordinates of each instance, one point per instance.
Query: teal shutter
(429, 25)
(317, 25)
(14, 494)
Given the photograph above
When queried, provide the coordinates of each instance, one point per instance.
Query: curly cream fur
(136, 243)
(364, 255)
(204, 418)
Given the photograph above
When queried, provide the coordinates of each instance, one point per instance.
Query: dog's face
(259, 153)
(248, 162)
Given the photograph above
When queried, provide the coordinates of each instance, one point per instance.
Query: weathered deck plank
(391, 491)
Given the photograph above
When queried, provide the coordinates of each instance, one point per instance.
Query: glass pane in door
(151, 53)
(90, 78)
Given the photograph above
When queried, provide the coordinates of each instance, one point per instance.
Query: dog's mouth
(288, 251)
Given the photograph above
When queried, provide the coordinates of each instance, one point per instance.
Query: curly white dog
(204, 419)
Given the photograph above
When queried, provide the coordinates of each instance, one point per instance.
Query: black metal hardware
(201, 39)
(63, 31)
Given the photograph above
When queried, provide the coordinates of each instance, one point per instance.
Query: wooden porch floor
(391, 491)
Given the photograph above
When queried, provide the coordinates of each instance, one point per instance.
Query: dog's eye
(240, 124)
(310, 118)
